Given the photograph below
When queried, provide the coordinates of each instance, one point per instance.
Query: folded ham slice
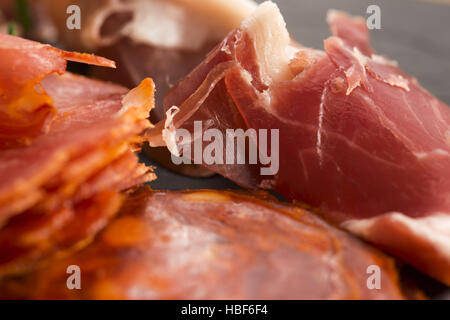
(359, 138)
(67, 151)
(214, 245)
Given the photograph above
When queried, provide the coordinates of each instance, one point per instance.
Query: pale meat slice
(359, 138)
(173, 24)
(214, 245)
(162, 39)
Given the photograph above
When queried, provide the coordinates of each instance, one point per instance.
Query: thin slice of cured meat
(359, 138)
(95, 126)
(26, 109)
(214, 245)
(34, 236)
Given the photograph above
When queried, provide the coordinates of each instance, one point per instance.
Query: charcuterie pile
(364, 152)
(67, 150)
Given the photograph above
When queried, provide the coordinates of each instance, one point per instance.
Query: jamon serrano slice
(62, 187)
(359, 138)
(214, 245)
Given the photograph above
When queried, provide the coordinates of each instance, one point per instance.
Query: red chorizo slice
(41, 232)
(96, 123)
(61, 188)
(214, 245)
(32, 237)
(26, 109)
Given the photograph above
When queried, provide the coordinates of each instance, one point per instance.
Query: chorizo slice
(214, 245)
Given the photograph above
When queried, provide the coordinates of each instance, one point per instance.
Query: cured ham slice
(62, 187)
(214, 245)
(359, 138)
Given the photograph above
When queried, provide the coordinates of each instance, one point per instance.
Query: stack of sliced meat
(62, 177)
(67, 160)
(66, 151)
(215, 245)
(359, 138)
